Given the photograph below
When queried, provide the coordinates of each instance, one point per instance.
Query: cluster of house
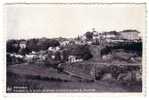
(53, 54)
(29, 58)
(101, 38)
(113, 36)
(56, 53)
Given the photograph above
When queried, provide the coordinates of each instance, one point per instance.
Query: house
(89, 42)
(55, 54)
(57, 48)
(15, 55)
(22, 44)
(42, 57)
(19, 56)
(83, 38)
(80, 42)
(53, 57)
(13, 58)
(30, 58)
(64, 43)
(130, 34)
(33, 52)
(114, 40)
(54, 49)
(96, 37)
(72, 59)
(110, 35)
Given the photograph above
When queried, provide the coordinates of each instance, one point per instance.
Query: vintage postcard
(75, 47)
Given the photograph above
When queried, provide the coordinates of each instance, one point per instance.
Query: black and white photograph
(74, 47)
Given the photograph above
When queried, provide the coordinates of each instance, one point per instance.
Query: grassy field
(35, 78)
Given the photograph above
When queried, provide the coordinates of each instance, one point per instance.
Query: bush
(32, 45)
(89, 35)
(80, 51)
(12, 46)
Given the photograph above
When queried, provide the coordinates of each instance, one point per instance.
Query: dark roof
(130, 30)
(111, 33)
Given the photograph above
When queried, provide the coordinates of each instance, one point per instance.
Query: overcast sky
(49, 20)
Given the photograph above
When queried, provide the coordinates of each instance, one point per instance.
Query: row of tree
(13, 46)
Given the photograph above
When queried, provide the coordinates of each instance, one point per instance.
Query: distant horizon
(69, 21)
(67, 37)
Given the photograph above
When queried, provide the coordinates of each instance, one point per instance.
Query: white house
(19, 56)
(16, 55)
(89, 42)
(72, 59)
(42, 57)
(130, 34)
(54, 49)
(108, 35)
(83, 38)
(33, 52)
(53, 57)
(30, 57)
(64, 43)
(22, 44)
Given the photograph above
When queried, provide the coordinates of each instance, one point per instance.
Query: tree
(44, 43)
(81, 51)
(41, 44)
(53, 42)
(23, 51)
(12, 46)
(57, 56)
(89, 35)
(32, 45)
(65, 54)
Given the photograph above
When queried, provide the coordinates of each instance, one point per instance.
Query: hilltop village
(92, 56)
(66, 50)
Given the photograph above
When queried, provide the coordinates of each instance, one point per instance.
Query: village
(86, 57)
(57, 52)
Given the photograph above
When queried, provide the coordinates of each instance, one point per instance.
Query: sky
(24, 21)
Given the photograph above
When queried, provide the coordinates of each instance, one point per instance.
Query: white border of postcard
(24, 96)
